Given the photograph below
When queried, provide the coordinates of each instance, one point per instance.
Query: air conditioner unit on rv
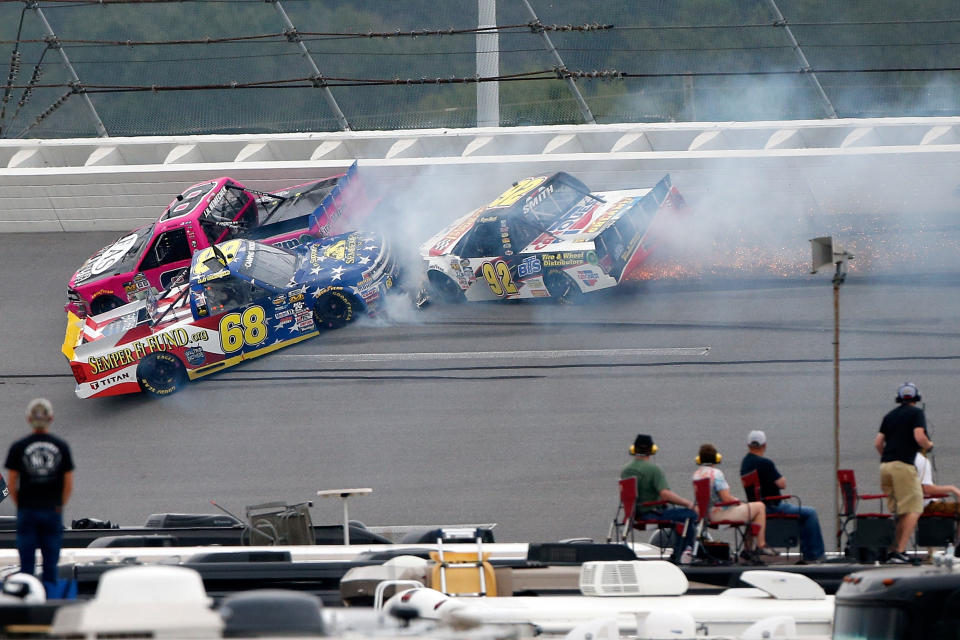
(632, 578)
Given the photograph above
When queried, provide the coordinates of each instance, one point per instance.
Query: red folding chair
(703, 499)
(783, 529)
(872, 531)
(628, 520)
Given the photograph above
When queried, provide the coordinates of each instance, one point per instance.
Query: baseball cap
(757, 437)
(39, 412)
(907, 391)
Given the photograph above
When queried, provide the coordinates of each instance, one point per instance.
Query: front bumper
(75, 304)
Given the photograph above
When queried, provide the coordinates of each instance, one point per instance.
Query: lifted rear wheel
(562, 288)
(102, 304)
(161, 374)
(334, 309)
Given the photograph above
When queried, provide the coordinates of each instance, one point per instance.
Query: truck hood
(342, 259)
(121, 256)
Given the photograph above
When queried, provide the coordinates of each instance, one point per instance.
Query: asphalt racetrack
(519, 414)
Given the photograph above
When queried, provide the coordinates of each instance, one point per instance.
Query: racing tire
(161, 374)
(334, 309)
(562, 288)
(445, 288)
(102, 304)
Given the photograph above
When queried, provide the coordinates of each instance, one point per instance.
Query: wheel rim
(560, 287)
(333, 311)
(161, 375)
(336, 309)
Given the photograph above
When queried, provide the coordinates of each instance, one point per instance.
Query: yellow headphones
(633, 450)
(717, 461)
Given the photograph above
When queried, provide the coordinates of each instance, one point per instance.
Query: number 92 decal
(512, 195)
(239, 329)
(497, 275)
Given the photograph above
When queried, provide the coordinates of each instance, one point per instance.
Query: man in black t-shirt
(771, 482)
(41, 479)
(903, 432)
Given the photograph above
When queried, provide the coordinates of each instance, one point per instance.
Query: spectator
(933, 491)
(902, 433)
(651, 487)
(726, 507)
(41, 480)
(772, 483)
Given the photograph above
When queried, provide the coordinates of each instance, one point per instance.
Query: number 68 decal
(497, 275)
(238, 329)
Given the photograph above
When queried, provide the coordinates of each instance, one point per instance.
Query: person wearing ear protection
(903, 432)
(771, 483)
(730, 508)
(651, 487)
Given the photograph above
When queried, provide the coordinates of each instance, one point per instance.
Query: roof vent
(632, 578)
(772, 627)
(664, 624)
(271, 612)
(596, 629)
(164, 601)
(784, 585)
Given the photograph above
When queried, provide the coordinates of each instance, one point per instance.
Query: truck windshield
(523, 231)
(219, 219)
(546, 203)
(224, 294)
(874, 622)
(270, 265)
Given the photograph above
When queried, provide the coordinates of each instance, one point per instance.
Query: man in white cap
(41, 480)
(772, 483)
(902, 433)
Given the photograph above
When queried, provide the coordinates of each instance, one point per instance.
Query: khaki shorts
(900, 482)
(735, 512)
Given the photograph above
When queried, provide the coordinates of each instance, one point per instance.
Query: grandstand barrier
(886, 166)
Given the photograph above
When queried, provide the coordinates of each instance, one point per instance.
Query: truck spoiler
(663, 199)
(347, 193)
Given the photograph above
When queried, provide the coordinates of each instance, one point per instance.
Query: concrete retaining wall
(884, 166)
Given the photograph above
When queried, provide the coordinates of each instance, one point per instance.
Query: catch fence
(157, 67)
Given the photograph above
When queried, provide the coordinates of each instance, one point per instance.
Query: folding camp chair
(869, 534)
(783, 529)
(627, 520)
(703, 498)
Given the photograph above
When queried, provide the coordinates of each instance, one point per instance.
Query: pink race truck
(207, 213)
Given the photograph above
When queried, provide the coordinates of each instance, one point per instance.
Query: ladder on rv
(463, 573)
